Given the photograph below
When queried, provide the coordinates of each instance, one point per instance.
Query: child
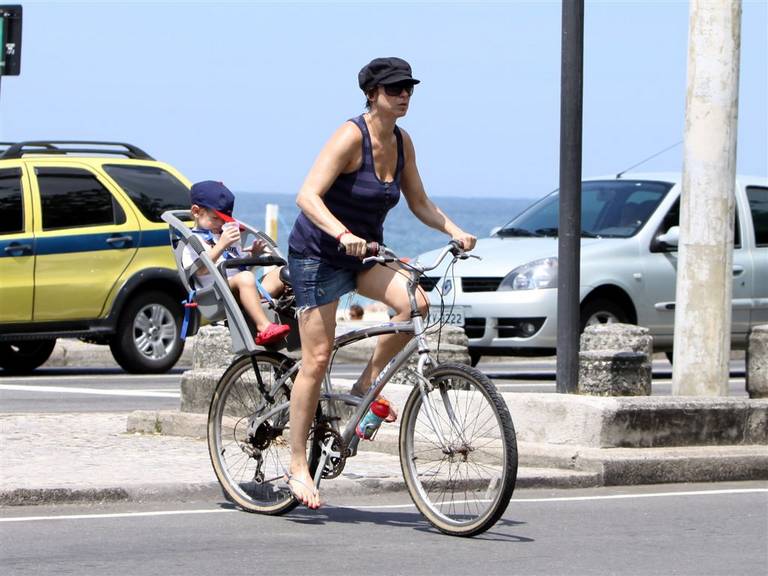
(212, 205)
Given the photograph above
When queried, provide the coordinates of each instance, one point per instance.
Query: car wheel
(600, 311)
(24, 356)
(148, 339)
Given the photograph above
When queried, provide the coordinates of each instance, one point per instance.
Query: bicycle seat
(216, 301)
(285, 275)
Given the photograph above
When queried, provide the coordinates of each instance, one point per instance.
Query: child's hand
(257, 247)
(229, 235)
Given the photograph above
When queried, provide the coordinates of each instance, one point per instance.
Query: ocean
(403, 232)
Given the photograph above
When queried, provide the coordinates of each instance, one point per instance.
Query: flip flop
(288, 478)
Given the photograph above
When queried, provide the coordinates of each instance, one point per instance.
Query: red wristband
(338, 237)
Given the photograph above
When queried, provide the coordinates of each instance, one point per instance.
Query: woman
(355, 181)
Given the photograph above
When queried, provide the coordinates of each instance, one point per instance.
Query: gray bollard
(453, 348)
(618, 337)
(615, 360)
(212, 348)
(611, 373)
(757, 362)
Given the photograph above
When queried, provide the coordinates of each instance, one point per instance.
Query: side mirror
(495, 230)
(670, 238)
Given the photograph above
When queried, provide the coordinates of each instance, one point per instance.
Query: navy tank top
(360, 201)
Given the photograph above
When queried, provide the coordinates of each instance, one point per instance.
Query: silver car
(507, 302)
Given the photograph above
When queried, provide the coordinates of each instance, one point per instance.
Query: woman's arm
(420, 204)
(340, 154)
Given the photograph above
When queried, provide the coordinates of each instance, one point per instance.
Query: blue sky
(247, 92)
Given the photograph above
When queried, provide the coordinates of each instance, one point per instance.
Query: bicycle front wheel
(458, 450)
(250, 454)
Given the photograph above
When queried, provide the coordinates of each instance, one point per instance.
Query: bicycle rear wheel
(250, 461)
(458, 451)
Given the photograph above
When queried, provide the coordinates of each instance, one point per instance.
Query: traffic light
(10, 40)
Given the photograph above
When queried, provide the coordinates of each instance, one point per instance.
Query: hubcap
(154, 331)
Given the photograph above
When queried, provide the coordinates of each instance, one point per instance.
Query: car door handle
(22, 249)
(738, 270)
(126, 240)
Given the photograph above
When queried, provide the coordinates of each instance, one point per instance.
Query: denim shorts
(316, 282)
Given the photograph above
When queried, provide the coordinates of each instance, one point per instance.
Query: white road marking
(94, 391)
(102, 377)
(390, 506)
(606, 497)
(116, 515)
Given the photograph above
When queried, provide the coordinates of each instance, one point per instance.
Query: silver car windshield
(609, 209)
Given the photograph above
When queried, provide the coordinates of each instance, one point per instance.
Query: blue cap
(215, 196)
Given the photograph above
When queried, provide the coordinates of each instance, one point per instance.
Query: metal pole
(705, 276)
(569, 235)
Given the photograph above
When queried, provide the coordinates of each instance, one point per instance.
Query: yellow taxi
(84, 253)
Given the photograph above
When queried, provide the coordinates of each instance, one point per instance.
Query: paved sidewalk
(52, 458)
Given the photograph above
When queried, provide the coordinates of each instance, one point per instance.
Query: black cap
(214, 195)
(383, 71)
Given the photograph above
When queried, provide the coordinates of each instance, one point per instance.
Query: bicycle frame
(416, 326)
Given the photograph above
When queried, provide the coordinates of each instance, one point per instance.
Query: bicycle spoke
(462, 459)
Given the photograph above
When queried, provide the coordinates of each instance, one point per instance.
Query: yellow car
(84, 253)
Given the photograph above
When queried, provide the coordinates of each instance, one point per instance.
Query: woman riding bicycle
(356, 179)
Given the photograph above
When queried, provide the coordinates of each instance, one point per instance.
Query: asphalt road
(712, 529)
(111, 390)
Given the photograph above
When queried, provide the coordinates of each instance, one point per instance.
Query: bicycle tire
(481, 460)
(233, 450)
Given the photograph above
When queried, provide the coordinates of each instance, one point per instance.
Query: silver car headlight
(536, 275)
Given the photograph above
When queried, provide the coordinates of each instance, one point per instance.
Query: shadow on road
(414, 520)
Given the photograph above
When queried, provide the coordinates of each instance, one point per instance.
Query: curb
(527, 478)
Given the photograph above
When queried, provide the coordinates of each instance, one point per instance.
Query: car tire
(24, 356)
(148, 339)
(602, 311)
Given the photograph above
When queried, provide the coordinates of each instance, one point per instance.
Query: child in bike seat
(212, 205)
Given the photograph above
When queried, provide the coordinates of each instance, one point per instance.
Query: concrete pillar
(704, 275)
(757, 362)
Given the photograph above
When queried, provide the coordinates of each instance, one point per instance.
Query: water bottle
(367, 427)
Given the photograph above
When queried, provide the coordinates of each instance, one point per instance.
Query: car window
(758, 205)
(610, 209)
(73, 198)
(151, 188)
(672, 218)
(11, 206)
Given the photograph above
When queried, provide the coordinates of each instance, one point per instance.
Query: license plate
(453, 316)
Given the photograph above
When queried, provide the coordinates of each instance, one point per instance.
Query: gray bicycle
(457, 445)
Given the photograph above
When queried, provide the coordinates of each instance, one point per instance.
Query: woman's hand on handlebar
(353, 246)
(466, 240)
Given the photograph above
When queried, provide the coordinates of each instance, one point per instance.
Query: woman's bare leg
(390, 287)
(316, 327)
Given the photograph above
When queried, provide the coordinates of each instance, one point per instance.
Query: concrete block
(197, 387)
(212, 348)
(167, 422)
(757, 362)
(615, 360)
(618, 337)
(637, 422)
(611, 373)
